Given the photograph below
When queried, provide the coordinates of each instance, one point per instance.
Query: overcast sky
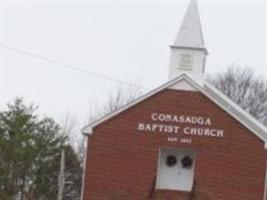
(126, 40)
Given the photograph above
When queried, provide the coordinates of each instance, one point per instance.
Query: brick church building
(184, 140)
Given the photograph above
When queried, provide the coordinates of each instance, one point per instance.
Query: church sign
(180, 125)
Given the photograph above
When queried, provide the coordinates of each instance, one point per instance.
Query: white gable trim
(209, 91)
(89, 129)
(237, 112)
(183, 85)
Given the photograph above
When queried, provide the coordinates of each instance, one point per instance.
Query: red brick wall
(122, 163)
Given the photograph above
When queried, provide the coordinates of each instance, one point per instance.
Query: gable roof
(206, 89)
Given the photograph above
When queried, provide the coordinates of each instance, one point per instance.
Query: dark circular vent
(187, 162)
(171, 161)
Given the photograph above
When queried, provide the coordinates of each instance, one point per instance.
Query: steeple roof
(190, 34)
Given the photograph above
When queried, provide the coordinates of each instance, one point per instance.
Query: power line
(68, 66)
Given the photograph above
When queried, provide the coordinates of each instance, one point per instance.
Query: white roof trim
(89, 129)
(237, 112)
(209, 91)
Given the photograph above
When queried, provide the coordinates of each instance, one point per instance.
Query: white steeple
(188, 53)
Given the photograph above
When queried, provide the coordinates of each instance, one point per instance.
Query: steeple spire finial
(188, 53)
(190, 34)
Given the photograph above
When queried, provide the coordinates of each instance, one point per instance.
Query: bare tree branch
(244, 88)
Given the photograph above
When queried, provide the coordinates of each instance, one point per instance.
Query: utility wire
(68, 66)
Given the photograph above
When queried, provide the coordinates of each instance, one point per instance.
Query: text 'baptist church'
(160, 125)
